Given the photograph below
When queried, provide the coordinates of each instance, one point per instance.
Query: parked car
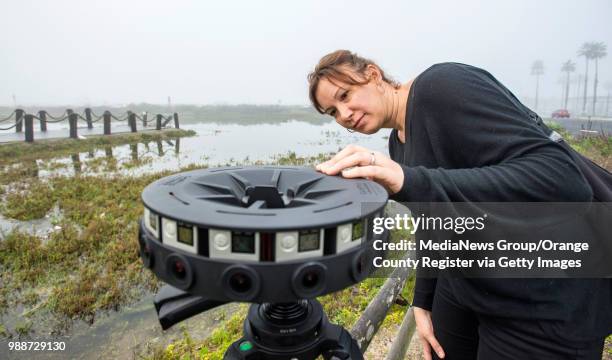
(561, 113)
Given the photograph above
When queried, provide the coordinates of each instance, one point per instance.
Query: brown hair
(341, 65)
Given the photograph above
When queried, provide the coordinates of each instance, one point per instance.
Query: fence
(370, 320)
(26, 120)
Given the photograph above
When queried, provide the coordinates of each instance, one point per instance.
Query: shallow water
(214, 144)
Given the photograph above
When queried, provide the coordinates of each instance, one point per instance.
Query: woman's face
(357, 107)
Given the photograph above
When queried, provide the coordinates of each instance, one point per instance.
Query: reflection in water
(214, 145)
(76, 163)
(160, 148)
(134, 151)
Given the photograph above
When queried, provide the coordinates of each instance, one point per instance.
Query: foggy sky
(84, 52)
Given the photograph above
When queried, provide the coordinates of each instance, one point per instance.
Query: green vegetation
(27, 201)
(89, 261)
(596, 147)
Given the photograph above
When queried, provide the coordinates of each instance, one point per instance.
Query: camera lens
(309, 280)
(240, 282)
(180, 271)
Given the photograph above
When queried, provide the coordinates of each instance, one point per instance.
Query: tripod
(272, 331)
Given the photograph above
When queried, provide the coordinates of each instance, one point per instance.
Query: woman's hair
(342, 65)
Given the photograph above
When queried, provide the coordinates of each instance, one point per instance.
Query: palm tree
(598, 51)
(567, 67)
(585, 51)
(537, 69)
(608, 86)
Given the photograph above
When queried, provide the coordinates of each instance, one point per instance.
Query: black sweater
(469, 139)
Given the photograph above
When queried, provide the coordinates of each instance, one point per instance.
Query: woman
(459, 135)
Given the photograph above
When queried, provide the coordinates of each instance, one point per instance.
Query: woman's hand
(424, 327)
(356, 161)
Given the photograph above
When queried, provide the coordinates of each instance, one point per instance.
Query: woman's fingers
(390, 176)
(347, 151)
(426, 349)
(358, 162)
(424, 326)
(360, 158)
(435, 345)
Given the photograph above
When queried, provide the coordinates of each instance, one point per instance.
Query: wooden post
(372, 317)
(402, 339)
(29, 128)
(144, 119)
(159, 120)
(176, 122)
(132, 121)
(160, 148)
(107, 122)
(177, 146)
(42, 115)
(72, 121)
(18, 120)
(88, 118)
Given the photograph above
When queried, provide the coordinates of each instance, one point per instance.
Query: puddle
(125, 334)
(39, 227)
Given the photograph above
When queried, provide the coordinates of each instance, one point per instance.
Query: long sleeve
(470, 140)
(488, 147)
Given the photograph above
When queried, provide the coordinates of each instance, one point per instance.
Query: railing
(368, 324)
(23, 119)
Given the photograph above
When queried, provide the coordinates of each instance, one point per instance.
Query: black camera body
(275, 236)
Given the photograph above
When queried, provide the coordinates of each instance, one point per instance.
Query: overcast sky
(106, 52)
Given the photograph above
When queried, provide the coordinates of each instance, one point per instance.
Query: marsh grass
(596, 147)
(89, 262)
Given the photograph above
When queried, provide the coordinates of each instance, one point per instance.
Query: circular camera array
(260, 234)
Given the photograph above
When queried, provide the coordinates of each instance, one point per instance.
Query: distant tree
(585, 50)
(578, 81)
(568, 67)
(608, 86)
(598, 51)
(537, 69)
